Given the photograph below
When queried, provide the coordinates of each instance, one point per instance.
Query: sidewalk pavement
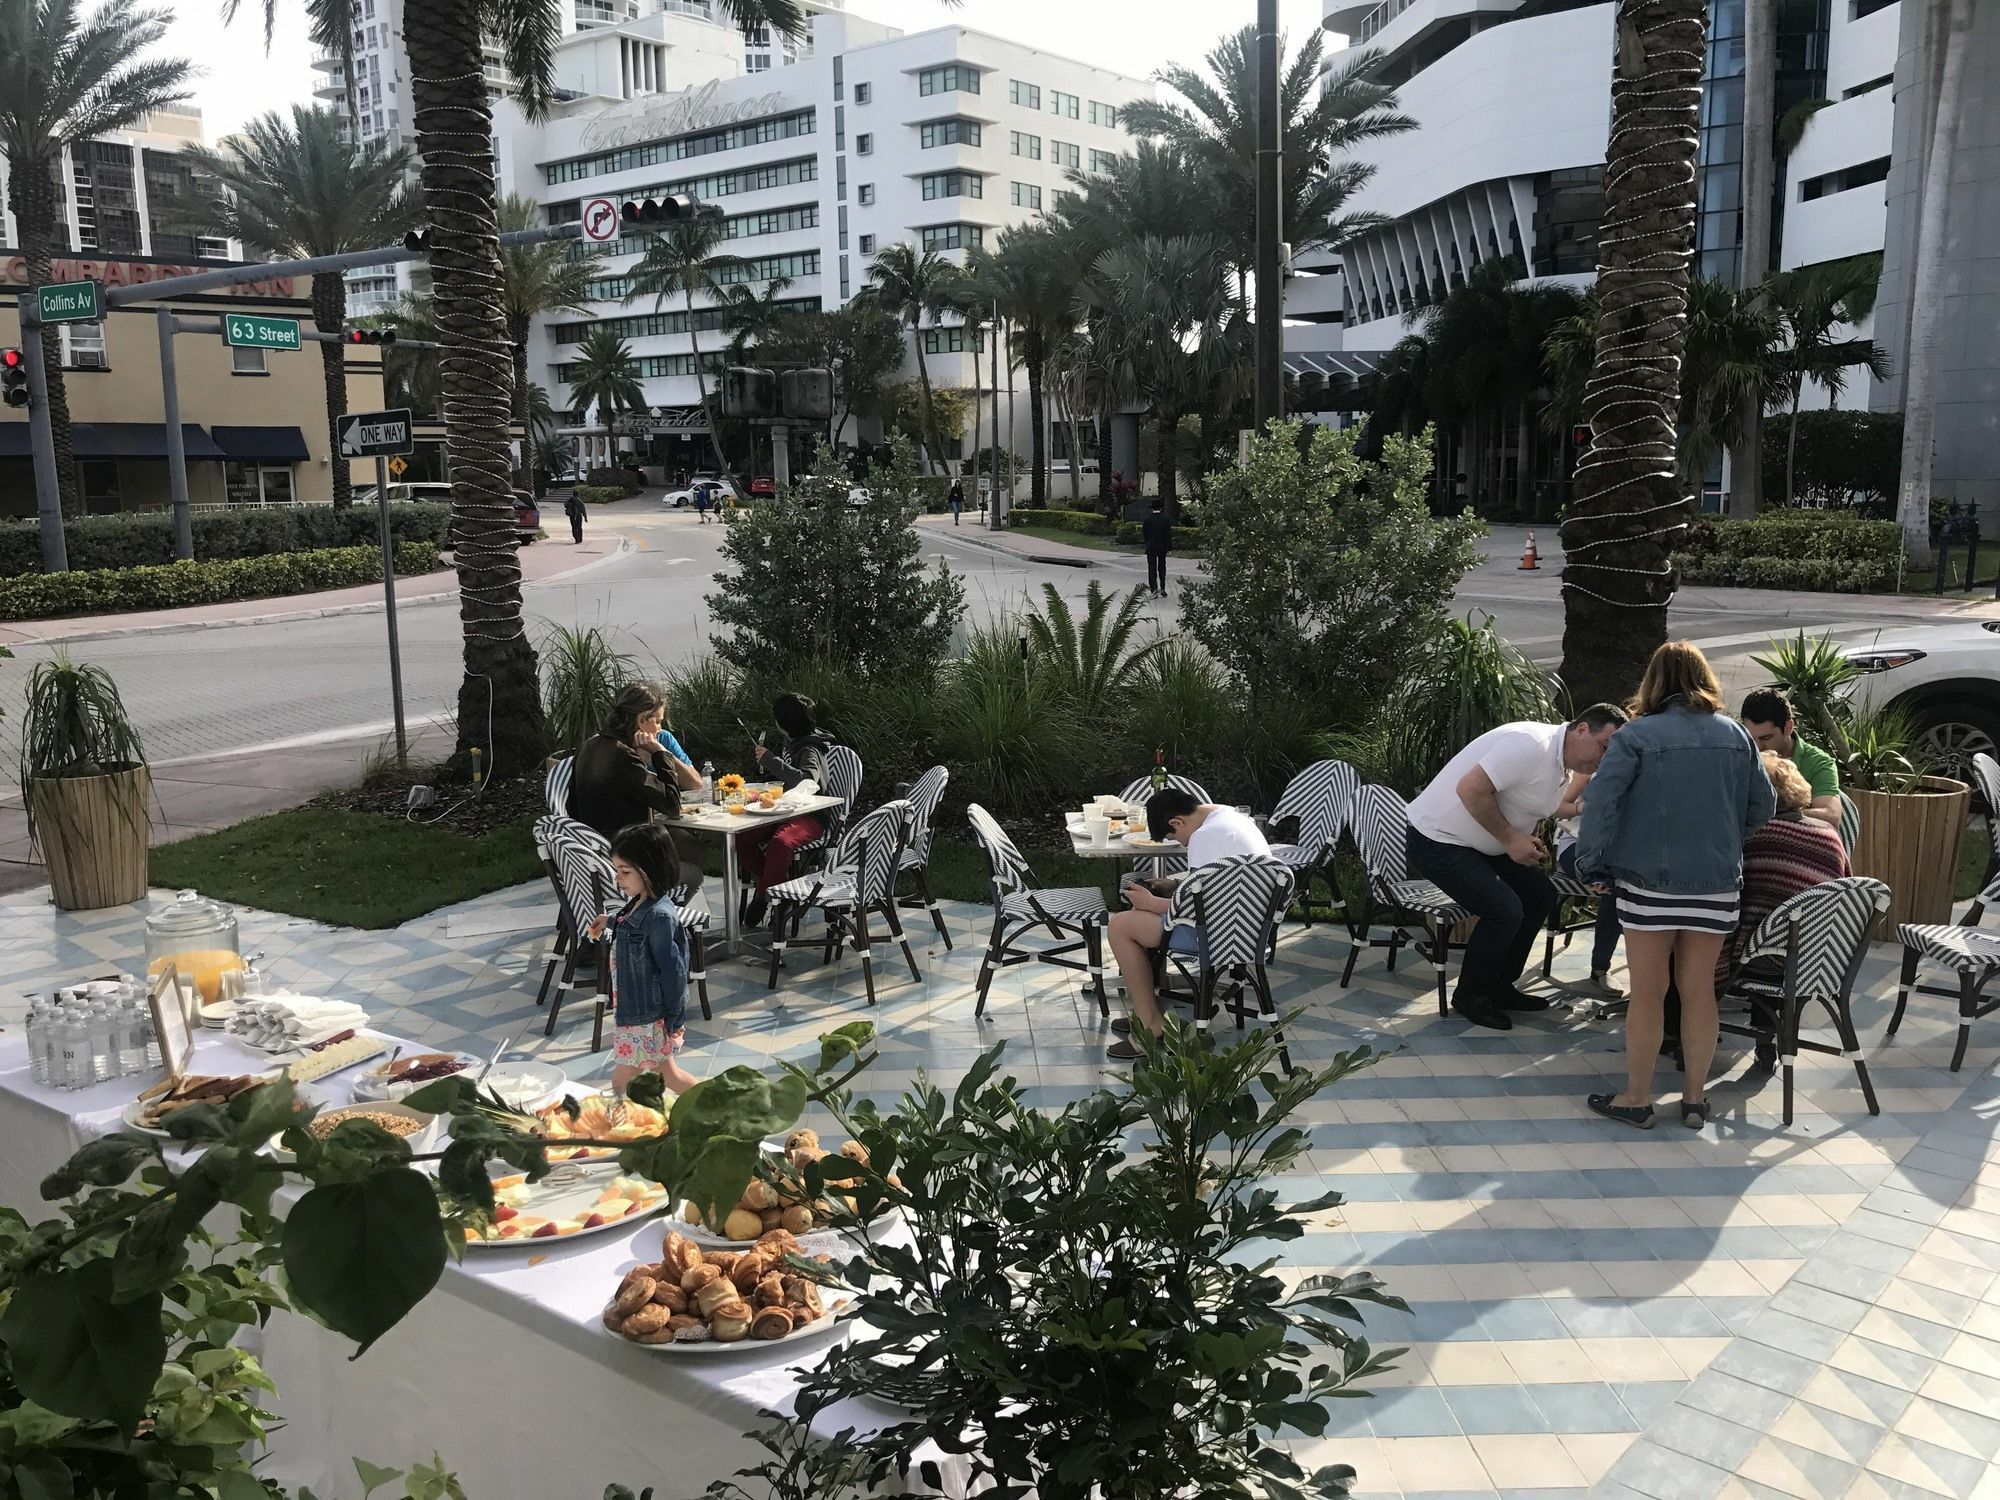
(217, 791)
(546, 560)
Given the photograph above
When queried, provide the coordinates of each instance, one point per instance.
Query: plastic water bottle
(39, 1020)
(72, 1061)
(103, 1042)
(131, 1034)
(708, 779)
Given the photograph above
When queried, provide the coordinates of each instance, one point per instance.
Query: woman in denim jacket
(649, 960)
(1680, 789)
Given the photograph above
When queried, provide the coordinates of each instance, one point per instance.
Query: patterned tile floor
(1751, 1310)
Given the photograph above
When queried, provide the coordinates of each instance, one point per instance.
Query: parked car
(1947, 677)
(719, 488)
(763, 487)
(527, 517)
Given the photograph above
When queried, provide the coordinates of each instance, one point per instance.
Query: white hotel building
(869, 136)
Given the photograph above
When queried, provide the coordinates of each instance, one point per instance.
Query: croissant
(613, 1318)
(715, 1294)
(671, 1297)
(771, 1323)
(770, 1292)
(648, 1319)
(635, 1293)
(723, 1261)
(678, 1255)
(751, 1268)
(778, 1242)
(731, 1322)
(697, 1277)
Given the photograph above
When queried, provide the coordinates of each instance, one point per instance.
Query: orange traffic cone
(1531, 560)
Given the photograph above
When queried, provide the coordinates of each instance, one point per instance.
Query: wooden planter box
(1909, 842)
(94, 834)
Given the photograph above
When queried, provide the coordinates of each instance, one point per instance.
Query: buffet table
(504, 1371)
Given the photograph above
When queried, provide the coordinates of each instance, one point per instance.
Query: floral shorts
(647, 1046)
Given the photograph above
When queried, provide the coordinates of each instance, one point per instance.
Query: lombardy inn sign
(127, 271)
(675, 114)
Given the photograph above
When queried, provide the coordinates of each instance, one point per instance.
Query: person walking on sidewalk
(957, 500)
(701, 502)
(573, 508)
(1472, 834)
(1158, 532)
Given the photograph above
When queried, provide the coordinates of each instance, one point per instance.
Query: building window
(865, 194)
(1844, 180)
(82, 347)
(841, 214)
(954, 340)
(864, 143)
(1067, 105)
(950, 133)
(1027, 195)
(100, 486)
(952, 237)
(1027, 95)
(1101, 161)
(1103, 114)
(843, 282)
(953, 77)
(867, 244)
(953, 185)
(839, 76)
(840, 178)
(863, 92)
(756, 62)
(1065, 154)
(1024, 144)
(707, 142)
(246, 362)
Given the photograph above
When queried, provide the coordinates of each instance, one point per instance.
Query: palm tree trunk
(1760, 166)
(329, 304)
(34, 204)
(1067, 417)
(930, 412)
(1038, 445)
(978, 424)
(1168, 429)
(701, 385)
(1104, 415)
(499, 701)
(1913, 493)
(1628, 502)
(1792, 451)
(1524, 482)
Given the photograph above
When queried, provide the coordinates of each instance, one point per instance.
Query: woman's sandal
(1627, 1114)
(1694, 1114)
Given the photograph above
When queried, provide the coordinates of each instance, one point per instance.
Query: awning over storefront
(115, 440)
(262, 445)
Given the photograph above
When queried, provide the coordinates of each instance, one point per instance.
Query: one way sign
(375, 434)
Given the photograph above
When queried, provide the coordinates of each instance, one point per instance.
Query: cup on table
(1097, 829)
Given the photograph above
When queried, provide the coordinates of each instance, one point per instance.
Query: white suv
(1947, 677)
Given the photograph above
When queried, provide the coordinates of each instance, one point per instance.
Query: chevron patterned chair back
(1320, 797)
(1136, 794)
(924, 794)
(1233, 908)
(555, 786)
(859, 879)
(843, 780)
(1850, 822)
(1821, 937)
(1986, 781)
(1074, 916)
(1972, 955)
(579, 859)
(1380, 822)
(1006, 865)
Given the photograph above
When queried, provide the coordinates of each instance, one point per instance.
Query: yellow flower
(730, 783)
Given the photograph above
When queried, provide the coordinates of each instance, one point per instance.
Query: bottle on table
(72, 1059)
(103, 1042)
(708, 780)
(1159, 778)
(40, 1029)
(132, 1021)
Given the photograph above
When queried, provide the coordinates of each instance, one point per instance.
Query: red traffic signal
(1580, 435)
(13, 359)
(371, 336)
(13, 377)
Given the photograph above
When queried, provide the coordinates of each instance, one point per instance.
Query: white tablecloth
(505, 1370)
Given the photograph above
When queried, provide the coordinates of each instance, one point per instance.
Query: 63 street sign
(252, 331)
(70, 302)
(375, 434)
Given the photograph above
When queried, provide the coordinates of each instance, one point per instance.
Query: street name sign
(70, 302)
(375, 434)
(254, 331)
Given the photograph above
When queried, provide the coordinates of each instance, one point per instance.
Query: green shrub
(39, 596)
(1082, 522)
(623, 479)
(1186, 538)
(1828, 551)
(1804, 574)
(1842, 457)
(147, 537)
(601, 494)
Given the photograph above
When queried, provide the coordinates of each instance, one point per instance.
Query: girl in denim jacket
(649, 960)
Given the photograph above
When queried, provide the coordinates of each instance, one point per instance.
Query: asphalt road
(204, 692)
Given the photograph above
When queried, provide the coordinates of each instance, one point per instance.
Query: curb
(1019, 554)
(284, 617)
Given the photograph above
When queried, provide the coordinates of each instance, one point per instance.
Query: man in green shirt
(1767, 715)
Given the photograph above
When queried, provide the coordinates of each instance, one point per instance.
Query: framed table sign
(173, 1020)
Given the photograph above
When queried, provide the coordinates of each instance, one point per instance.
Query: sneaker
(1597, 987)
(1479, 1013)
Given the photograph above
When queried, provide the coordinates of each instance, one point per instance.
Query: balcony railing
(1381, 16)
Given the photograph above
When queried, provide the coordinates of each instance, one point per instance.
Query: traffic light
(749, 392)
(671, 208)
(14, 377)
(383, 336)
(418, 240)
(806, 395)
(1580, 435)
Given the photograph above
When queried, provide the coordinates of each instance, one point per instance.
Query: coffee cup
(1097, 830)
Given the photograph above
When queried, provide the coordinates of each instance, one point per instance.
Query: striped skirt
(1643, 910)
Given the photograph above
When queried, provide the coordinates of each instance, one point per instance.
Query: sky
(240, 79)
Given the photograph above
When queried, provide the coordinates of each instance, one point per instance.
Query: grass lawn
(1057, 534)
(354, 869)
(1973, 852)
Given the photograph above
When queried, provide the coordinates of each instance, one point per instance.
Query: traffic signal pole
(42, 443)
(177, 471)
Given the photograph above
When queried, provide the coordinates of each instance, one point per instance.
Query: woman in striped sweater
(1789, 854)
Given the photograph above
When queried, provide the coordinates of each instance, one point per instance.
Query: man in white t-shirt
(1472, 834)
(1210, 833)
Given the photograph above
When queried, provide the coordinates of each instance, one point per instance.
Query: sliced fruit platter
(696, 1301)
(599, 1117)
(765, 1206)
(564, 1206)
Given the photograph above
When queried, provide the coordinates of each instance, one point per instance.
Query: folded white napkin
(798, 795)
(277, 1023)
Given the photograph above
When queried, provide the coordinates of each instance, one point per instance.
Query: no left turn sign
(600, 220)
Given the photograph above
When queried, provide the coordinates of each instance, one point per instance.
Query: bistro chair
(560, 952)
(923, 795)
(1075, 916)
(1850, 822)
(1381, 827)
(1233, 908)
(1986, 782)
(555, 786)
(1575, 911)
(1808, 951)
(1971, 954)
(1320, 798)
(843, 780)
(859, 878)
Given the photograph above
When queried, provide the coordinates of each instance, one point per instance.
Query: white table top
(705, 817)
(1117, 847)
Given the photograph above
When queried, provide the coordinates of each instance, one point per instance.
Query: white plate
(369, 1085)
(133, 1113)
(569, 1201)
(527, 1085)
(1142, 841)
(424, 1138)
(834, 1322)
(218, 1013)
(819, 1237)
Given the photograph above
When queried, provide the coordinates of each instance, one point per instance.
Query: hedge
(1822, 551)
(1186, 538)
(600, 494)
(147, 537)
(1083, 522)
(41, 596)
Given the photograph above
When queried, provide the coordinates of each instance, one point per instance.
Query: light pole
(1270, 357)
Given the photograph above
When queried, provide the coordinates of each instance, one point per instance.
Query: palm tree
(410, 377)
(65, 78)
(1628, 504)
(1028, 274)
(1177, 327)
(1814, 301)
(681, 261)
(749, 317)
(606, 376)
(294, 188)
(910, 284)
(537, 279)
(1319, 126)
